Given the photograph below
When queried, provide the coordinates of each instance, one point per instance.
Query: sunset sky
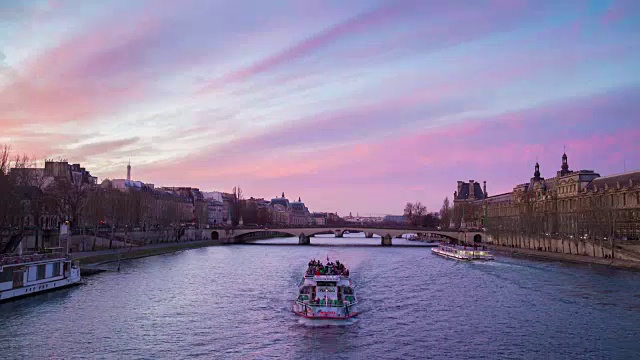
(352, 105)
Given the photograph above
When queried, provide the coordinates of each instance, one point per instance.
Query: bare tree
(69, 195)
(249, 211)
(236, 205)
(20, 198)
(445, 213)
(408, 211)
(33, 184)
(419, 212)
(415, 212)
(263, 216)
(9, 204)
(201, 212)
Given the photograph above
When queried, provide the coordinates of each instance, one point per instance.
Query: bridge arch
(245, 234)
(477, 238)
(322, 232)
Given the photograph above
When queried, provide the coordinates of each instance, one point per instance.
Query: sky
(354, 106)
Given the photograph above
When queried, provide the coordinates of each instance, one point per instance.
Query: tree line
(417, 215)
(32, 201)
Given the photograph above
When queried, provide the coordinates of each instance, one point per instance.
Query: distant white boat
(28, 274)
(464, 253)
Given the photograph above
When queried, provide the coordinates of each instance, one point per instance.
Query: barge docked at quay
(326, 293)
(33, 273)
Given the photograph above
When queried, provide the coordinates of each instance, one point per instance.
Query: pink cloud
(441, 98)
(349, 27)
(86, 151)
(500, 150)
(55, 86)
(619, 10)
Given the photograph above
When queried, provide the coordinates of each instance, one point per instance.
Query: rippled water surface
(233, 302)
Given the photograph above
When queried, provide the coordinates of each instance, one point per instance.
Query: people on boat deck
(317, 268)
(329, 302)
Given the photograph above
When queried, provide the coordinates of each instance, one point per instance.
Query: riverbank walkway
(92, 258)
(573, 258)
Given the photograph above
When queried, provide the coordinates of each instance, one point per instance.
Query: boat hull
(325, 312)
(449, 255)
(29, 290)
(460, 257)
(326, 317)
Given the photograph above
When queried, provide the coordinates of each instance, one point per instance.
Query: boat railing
(338, 305)
(310, 276)
(462, 247)
(28, 258)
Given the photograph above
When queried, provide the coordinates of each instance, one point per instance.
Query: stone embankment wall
(89, 242)
(78, 243)
(596, 249)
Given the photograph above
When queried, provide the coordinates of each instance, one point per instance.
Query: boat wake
(315, 323)
(490, 263)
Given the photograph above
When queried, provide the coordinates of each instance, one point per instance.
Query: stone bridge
(304, 234)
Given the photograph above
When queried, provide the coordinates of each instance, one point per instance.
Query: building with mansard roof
(289, 213)
(571, 203)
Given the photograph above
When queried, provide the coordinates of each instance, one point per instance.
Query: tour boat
(465, 253)
(27, 274)
(326, 293)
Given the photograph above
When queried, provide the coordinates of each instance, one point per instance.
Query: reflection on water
(233, 302)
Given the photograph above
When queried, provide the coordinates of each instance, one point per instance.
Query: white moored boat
(465, 253)
(326, 293)
(27, 274)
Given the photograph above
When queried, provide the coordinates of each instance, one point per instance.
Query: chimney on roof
(484, 188)
(459, 186)
(471, 189)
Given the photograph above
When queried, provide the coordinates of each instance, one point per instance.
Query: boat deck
(463, 253)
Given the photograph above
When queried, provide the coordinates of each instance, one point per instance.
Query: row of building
(215, 208)
(138, 203)
(125, 201)
(575, 203)
(376, 220)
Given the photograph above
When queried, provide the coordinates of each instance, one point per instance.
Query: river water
(233, 302)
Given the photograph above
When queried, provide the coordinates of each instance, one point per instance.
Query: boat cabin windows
(325, 283)
(18, 278)
(306, 290)
(41, 272)
(56, 269)
(6, 275)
